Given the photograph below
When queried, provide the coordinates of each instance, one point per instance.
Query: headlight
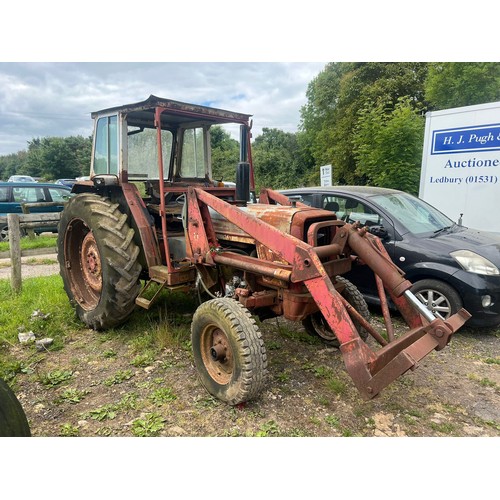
(474, 263)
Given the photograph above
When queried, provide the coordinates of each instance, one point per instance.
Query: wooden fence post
(15, 251)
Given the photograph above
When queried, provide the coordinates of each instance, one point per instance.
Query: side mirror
(379, 231)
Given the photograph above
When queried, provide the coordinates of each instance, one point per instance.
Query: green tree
(278, 160)
(456, 84)
(225, 154)
(58, 157)
(334, 99)
(388, 145)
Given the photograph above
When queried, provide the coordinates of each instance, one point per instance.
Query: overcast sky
(56, 99)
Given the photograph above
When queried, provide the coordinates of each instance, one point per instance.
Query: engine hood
(461, 238)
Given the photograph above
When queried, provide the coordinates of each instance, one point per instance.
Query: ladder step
(143, 302)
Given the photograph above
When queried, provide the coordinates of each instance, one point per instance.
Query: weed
(284, 376)
(55, 377)
(106, 412)
(68, 430)
(104, 431)
(492, 361)
(443, 428)
(322, 371)
(332, 420)
(128, 402)
(347, 433)
(142, 360)
(315, 420)
(485, 382)
(337, 386)
(119, 377)
(268, 429)
(273, 346)
(72, 396)
(162, 395)
(109, 353)
(150, 425)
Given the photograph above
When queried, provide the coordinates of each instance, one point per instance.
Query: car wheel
(439, 297)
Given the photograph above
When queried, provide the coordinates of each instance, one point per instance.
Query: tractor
(153, 218)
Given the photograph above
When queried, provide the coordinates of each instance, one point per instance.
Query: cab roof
(175, 112)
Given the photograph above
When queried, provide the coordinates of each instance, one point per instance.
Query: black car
(451, 266)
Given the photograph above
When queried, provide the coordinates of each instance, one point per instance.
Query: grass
(30, 244)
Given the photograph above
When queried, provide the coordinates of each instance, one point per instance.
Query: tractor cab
(160, 139)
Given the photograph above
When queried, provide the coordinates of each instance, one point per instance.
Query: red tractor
(152, 217)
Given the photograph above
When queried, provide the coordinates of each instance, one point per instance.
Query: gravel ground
(32, 266)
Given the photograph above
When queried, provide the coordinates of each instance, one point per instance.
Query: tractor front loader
(153, 218)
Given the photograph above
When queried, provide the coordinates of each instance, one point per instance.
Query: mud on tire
(98, 260)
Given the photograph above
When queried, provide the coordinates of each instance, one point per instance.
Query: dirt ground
(106, 384)
(99, 384)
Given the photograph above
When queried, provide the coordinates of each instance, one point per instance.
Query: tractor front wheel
(228, 351)
(98, 260)
(316, 325)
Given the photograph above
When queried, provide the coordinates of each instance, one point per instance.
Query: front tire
(316, 325)
(228, 351)
(98, 260)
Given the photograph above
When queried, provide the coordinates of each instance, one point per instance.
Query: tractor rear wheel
(13, 421)
(98, 260)
(228, 351)
(316, 325)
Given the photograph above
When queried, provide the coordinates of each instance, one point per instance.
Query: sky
(55, 99)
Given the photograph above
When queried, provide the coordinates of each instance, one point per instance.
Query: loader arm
(370, 370)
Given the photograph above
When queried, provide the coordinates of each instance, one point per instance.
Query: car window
(59, 194)
(4, 194)
(303, 198)
(351, 210)
(28, 194)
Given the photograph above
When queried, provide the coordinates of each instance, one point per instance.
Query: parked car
(451, 266)
(66, 182)
(12, 194)
(21, 178)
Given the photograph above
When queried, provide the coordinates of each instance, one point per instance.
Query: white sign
(325, 174)
(461, 164)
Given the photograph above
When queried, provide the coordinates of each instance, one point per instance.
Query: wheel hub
(91, 262)
(217, 355)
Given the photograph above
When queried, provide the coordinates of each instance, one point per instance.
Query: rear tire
(98, 260)
(228, 351)
(316, 325)
(13, 421)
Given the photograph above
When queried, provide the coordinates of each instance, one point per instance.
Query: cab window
(193, 162)
(106, 146)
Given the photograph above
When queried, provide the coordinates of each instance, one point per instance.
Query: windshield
(414, 214)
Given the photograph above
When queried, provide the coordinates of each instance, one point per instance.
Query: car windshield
(414, 214)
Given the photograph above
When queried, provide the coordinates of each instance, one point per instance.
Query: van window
(4, 194)
(59, 194)
(28, 194)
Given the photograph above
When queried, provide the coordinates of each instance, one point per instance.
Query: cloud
(55, 99)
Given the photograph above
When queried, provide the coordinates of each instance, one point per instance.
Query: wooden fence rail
(16, 222)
